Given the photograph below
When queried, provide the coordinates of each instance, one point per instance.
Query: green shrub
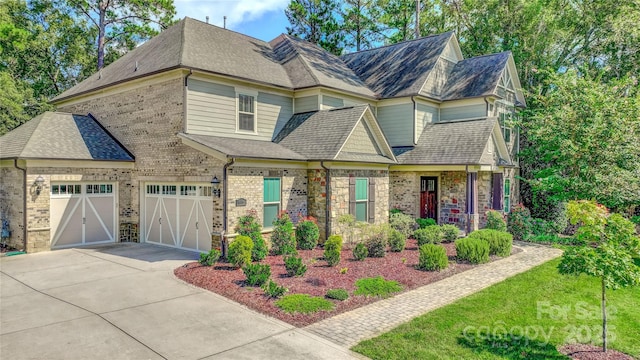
(423, 223)
(257, 274)
(395, 211)
(555, 239)
(376, 245)
(240, 251)
(360, 252)
(377, 286)
(294, 266)
(635, 219)
(546, 207)
(473, 250)
(403, 223)
(519, 222)
(397, 241)
(248, 225)
(283, 239)
(307, 234)
(210, 258)
(451, 232)
(332, 249)
(495, 221)
(273, 290)
(500, 242)
(303, 303)
(429, 235)
(337, 294)
(541, 227)
(433, 258)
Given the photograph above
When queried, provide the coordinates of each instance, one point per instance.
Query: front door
(429, 197)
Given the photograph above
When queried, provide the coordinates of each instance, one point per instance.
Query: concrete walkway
(122, 301)
(350, 328)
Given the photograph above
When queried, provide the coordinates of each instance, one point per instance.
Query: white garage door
(82, 214)
(178, 215)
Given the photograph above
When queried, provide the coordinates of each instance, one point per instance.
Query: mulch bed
(591, 352)
(228, 281)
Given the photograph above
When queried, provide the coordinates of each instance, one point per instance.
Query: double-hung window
(507, 195)
(271, 201)
(246, 112)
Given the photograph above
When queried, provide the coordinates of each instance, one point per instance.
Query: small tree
(612, 246)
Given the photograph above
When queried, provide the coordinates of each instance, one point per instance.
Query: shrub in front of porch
(403, 223)
(429, 235)
(248, 225)
(332, 250)
(240, 251)
(424, 222)
(495, 221)
(433, 258)
(451, 232)
(500, 242)
(307, 234)
(283, 239)
(519, 222)
(397, 240)
(257, 274)
(473, 250)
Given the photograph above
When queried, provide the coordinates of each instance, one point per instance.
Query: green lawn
(525, 317)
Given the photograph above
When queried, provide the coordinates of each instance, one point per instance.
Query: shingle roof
(245, 148)
(193, 44)
(56, 135)
(400, 69)
(476, 76)
(309, 65)
(448, 143)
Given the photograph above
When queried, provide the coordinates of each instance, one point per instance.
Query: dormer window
(246, 112)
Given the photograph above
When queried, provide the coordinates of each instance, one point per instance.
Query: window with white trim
(507, 195)
(99, 189)
(246, 112)
(65, 189)
(362, 199)
(271, 201)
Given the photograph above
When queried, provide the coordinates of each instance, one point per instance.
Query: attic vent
(136, 69)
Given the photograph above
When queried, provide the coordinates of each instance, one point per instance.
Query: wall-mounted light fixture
(38, 183)
(215, 186)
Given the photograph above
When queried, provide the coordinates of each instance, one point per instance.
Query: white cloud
(237, 11)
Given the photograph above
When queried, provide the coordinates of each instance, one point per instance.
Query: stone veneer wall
(485, 196)
(247, 183)
(453, 198)
(11, 205)
(317, 198)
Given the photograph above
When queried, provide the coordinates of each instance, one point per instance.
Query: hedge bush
(332, 249)
(500, 242)
(451, 232)
(307, 234)
(360, 252)
(337, 294)
(432, 258)
(473, 250)
(257, 274)
(429, 235)
(283, 239)
(397, 241)
(376, 245)
(210, 258)
(240, 251)
(248, 225)
(495, 221)
(294, 266)
(403, 223)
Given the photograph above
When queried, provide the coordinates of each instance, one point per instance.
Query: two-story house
(174, 141)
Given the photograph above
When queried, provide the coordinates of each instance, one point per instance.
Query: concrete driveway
(122, 302)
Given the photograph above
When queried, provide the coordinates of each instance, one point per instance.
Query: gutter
(327, 184)
(24, 203)
(223, 239)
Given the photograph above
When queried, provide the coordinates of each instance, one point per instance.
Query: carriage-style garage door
(178, 215)
(82, 214)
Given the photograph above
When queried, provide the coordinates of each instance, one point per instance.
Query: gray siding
(211, 110)
(425, 114)
(361, 141)
(306, 103)
(463, 112)
(434, 86)
(330, 102)
(397, 123)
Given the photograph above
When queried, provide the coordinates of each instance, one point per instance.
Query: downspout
(223, 239)
(184, 101)
(487, 105)
(24, 204)
(415, 111)
(327, 190)
(466, 169)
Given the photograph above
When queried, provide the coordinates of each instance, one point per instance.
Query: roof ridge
(450, 32)
(229, 30)
(182, 41)
(487, 55)
(302, 58)
(36, 126)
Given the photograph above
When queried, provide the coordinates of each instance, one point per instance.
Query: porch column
(472, 202)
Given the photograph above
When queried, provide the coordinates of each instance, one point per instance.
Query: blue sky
(262, 19)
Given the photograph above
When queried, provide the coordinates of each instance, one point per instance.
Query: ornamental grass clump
(450, 232)
(397, 240)
(429, 235)
(257, 274)
(332, 249)
(294, 266)
(495, 221)
(377, 286)
(240, 251)
(500, 242)
(303, 303)
(283, 239)
(473, 250)
(432, 258)
(248, 225)
(360, 252)
(307, 234)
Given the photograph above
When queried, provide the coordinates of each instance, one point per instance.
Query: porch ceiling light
(38, 183)
(215, 186)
